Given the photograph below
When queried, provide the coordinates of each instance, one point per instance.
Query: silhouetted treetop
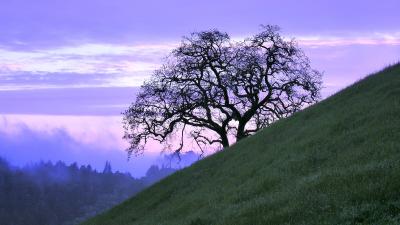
(107, 167)
(215, 90)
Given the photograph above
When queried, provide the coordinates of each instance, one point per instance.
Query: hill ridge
(336, 162)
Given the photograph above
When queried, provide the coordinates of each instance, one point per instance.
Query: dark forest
(49, 193)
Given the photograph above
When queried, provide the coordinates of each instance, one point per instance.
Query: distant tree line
(60, 194)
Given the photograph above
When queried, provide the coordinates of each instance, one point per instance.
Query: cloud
(22, 143)
(25, 80)
(102, 132)
(67, 101)
(390, 39)
(101, 65)
(85, 140)
(86, 59)
(71, 93)
(88, 65)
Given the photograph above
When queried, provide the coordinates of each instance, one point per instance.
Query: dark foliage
(60, 194)
(216, 90)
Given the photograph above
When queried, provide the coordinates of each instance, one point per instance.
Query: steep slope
(337, 162)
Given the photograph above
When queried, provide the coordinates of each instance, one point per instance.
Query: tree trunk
(240, 132)
(224, 140)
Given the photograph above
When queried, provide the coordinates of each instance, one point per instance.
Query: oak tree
(215, 91)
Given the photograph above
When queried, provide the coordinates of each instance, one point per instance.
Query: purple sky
(69, 68)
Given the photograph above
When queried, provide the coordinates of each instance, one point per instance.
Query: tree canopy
(214, 90)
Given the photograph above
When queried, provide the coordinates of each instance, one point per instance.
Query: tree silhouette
(216, 90)
(107, 167)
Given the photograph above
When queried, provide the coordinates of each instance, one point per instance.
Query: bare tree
(214, 90)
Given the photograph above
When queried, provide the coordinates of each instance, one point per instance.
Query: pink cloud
(102, 132)
(372, 39)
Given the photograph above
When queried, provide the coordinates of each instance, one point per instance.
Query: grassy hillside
(337, 162)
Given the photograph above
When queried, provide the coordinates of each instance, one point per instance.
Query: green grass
(337, 162)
